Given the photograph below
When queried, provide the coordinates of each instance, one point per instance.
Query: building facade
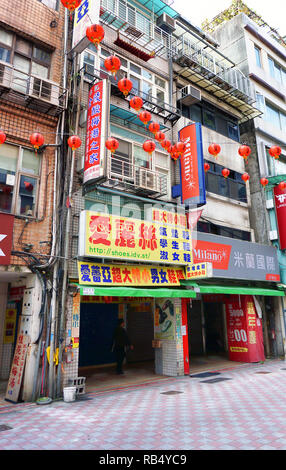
(33, 99)
(260, 52)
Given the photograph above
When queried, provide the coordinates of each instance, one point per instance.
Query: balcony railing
(30, 90)
(125, 175)
(231, 79)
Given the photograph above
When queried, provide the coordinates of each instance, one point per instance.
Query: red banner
(6, 238)
(244, 330)
(280, 205)
(96, 122)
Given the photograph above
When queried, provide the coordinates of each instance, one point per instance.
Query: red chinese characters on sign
(244, 330)
(147, 237)
(125, 233)
(17, 369)
(95, 126)
(6, 237)
(280, 206)
(100, 228)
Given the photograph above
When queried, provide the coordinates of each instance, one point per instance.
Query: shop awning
(135, 292)
(238, 290)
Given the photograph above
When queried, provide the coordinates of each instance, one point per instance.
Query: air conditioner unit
(44, 90)
(190, 95)
(149, 180)
(166, 23)
(5, 74)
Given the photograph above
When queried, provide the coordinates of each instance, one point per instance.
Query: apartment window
(50, 3)
(19, 180)
(208, 227)
(212, 118)
(25, 56)
(232, 187)
(275, 117)
(151, 86)
(260, 102)
(257, 51)
(276, 71)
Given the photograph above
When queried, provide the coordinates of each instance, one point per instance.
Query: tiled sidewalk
(246, 412)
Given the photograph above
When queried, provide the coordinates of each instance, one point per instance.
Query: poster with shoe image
(164, 319)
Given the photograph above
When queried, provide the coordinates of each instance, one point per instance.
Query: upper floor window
(276, 167)
(232, 187)
(51, 3)
(257, 51)
(149, 85)
(19, 180)
(27, 57)
(212, 118)
(276, 71)
(276, 117)
(208, 227)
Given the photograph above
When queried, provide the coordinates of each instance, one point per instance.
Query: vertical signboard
(192, 166)
(244, 330)
(17, 369)
(280, 207)
(6, 238)
(95, 151)
(85, 15)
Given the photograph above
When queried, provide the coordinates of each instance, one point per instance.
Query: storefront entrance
(97, 361)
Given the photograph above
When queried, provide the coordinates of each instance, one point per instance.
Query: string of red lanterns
(112, 144)
(125, 86)
(145, 117)
(2, 137)
(71, 5)
(160, 136)
(264, 182)
(214, 150)
(149, 146)
(244, 151)
(225, 172)
(245, 177)
(275, 151)
(74, 142)
(154, 127)
(206, 167)
(37, 140)
(136, 103)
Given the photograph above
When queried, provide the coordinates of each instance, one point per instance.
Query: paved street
(246, 411)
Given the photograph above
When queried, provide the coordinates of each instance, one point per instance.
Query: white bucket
(69, 394)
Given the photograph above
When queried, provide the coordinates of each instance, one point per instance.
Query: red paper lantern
(71, 5)
(95, 34)
(149, 146)
(206, 167)
(244, 151)
(36, 140)
(74, 142)
(275, 151)
(160, 136)
(154, 127)
(180, 148)
(282, 185)
(145, 117)
(28, 186)
(112, 144)
(173, 152)
(166, 144)
(245, 177)
(214, 150)
(136, 103)
(225, 172)
(112, 64)
(2, 137)
(264, 182)
(125, 86)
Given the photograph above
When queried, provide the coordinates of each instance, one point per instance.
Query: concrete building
(260, 53)
(33, 99)
(182, 78)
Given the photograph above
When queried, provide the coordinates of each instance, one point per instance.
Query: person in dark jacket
(120, 342)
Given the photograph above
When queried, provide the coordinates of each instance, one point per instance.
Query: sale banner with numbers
(244, 330)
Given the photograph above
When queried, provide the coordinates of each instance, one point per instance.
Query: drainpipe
(67, 238)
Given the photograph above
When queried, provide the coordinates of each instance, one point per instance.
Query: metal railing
(125, 174)
(31, 86)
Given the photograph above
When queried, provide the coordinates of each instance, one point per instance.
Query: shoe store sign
(107, 236)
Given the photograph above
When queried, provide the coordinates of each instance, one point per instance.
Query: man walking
(120, 342)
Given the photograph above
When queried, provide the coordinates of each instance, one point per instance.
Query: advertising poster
(164, 319)
(280, 207)
(244, 330)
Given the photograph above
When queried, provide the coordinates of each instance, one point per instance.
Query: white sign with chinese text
(85, 15)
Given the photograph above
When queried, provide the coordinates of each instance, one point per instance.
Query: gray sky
(272, 11)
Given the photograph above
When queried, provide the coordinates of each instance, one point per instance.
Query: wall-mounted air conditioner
(149, 180)
(189, 95)
(166, 23)
(44, 89)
